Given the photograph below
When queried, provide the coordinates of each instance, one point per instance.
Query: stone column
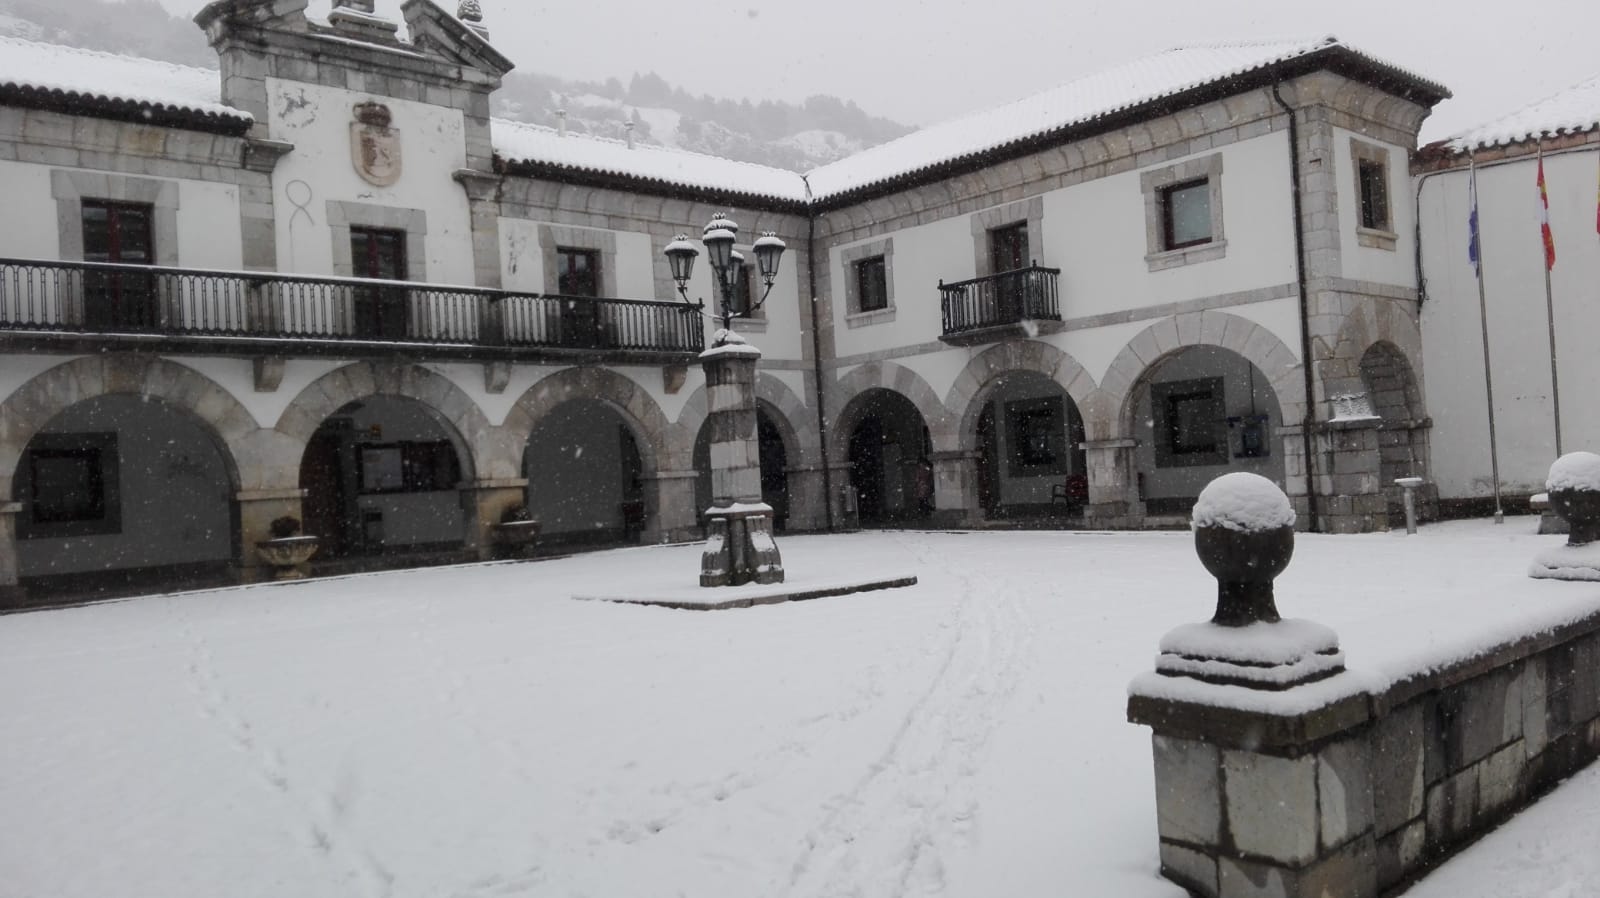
(485, 503)
(1113, 484)
(257, 510)
(955, 489)
(739, 547)
(10, 592)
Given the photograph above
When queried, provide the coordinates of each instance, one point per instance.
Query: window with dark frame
(872, 284)
(1191, 424)
(1374, 182)
(741, 292)
(408, 467)
(1186, 214)
(119, 233)
(70, 486)
(1036, 437)
(379, 254)
(577, 272)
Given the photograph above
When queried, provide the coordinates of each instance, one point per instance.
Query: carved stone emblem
(374, 146)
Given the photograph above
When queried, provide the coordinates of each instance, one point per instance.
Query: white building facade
(323, 283)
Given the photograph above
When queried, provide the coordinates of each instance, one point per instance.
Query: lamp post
(739, 546)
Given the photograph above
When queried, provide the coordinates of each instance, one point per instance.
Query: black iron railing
(99, 298)
(1026, 294)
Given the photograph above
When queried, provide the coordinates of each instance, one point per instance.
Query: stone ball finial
(1244, 534)
(470, 11)
(1574, 489)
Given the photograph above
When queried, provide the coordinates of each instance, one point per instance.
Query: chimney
(561, 116)
(627, 127)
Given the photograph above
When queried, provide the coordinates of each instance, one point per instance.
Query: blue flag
(1473, 254)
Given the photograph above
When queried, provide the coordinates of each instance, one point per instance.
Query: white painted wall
(1519, 342)
(316, 119)
(28, 228)
(173, 487)
(1396, 267)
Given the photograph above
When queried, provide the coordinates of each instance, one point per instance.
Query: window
(1191, 426)
(380, 254)
(1008, 248)
(71, 486)
(1186, 214)
(408, 467)
(1036, 437)
(872, 284)
(742, 291)
(1183, 213)
(577, 272)
(119, 233)
(1374, 196)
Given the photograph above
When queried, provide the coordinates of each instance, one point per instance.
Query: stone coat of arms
(374, 146)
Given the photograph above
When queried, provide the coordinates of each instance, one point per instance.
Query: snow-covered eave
(626, 181)
(144, 112)
(1337, 58)
(1453, 152)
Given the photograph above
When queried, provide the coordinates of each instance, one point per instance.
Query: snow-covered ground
(474, 731)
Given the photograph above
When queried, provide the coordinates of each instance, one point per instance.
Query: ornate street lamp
(739, 548)
(727, 265)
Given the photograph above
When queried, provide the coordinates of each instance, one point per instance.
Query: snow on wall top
(1570, 111)
(525, 143)
(109, 76)
(1076, 102)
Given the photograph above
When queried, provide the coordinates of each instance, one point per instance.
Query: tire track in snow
(889, 834)
(321, 814)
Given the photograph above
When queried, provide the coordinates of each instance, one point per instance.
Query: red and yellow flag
(1544, 221)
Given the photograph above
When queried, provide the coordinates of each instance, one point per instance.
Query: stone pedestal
(807, 498)
(485, 503)
(739, 547)
(1113, 484)
(670, 512)
(1348, 477)
(10, 592)
(257, 510)
(955, 489)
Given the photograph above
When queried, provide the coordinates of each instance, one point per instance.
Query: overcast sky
(922, 61)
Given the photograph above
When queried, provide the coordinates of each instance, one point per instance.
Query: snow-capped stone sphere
(1244, 502)
(1575, 471)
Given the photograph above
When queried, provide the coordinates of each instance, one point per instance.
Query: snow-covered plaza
(476, 731)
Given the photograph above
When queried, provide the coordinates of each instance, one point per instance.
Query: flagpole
(1549, 299)
(1483, 315)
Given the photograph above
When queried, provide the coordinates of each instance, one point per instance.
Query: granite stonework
(1356, 798)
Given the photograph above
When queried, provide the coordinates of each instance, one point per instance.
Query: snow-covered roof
(1571, 111)
(1077, 102)
(78, 74)
(519, 142)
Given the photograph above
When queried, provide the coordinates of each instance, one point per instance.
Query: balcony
(1019, 303)
(86, 305)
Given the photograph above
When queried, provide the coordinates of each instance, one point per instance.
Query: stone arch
(978, 380)
(651, 431)
(1262, 348)
(485, 452)
(1371, 322)
(795, 422)
(28, 410)
(896, 378)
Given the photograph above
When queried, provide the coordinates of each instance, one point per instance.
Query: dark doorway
(322, 507)
(890, 460)
(1008, 251)
(119, 233)
(380, 310)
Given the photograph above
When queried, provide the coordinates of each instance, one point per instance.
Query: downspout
(816, 357)
(1305, 312)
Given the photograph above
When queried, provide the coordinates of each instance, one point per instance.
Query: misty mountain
(795, 136)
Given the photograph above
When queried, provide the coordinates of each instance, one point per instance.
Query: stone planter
(288, 555)
(514, 539)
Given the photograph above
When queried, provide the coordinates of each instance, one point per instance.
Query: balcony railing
(184, 304)
(1010, 297)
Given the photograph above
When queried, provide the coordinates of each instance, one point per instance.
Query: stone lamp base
(288, 554)
(1272, 656)
(740, 548)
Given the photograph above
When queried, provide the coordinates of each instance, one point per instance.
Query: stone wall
(1358, 797)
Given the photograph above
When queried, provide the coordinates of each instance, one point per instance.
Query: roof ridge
(655, 147)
